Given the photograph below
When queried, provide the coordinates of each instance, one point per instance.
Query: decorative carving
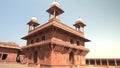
(77, 51)
(57, 48)
(69, 50)
(83, 53)
(63, 50)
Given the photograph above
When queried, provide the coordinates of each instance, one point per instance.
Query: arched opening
(4, 57)
(43, 38)
(35, 56)
(78, 43)
(0, 55)
(71, 41)
(18, 56)
(71, 58)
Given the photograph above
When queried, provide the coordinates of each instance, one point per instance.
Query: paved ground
(13, 65)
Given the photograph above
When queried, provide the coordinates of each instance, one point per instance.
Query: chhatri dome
(54, 10)
(34, 19)
(33, 22)
(79, 22)
(55, 4)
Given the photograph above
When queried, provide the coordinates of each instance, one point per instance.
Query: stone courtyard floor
(13, 65)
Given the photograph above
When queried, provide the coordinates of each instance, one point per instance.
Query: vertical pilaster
(29, 27)
(1, 56)
(49, 16)
(33, 57)
(77, 59)
(27, 59)
(38, 56)
(54, 14)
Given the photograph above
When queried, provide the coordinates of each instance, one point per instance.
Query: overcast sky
(102, 18)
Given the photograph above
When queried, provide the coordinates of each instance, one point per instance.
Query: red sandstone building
(9, 52)
(54, 44)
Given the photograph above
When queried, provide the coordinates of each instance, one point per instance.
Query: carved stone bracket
(83, 53)
(77, 51)
(63, 50)
(52, 46)
(58, 48)
(69, 50)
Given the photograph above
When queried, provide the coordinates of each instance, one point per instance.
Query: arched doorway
(35, 56)
(71, 58)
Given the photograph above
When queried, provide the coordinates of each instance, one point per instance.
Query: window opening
(111, 63)
(35, 56)
(78, 43)
(118, 62)
(4, 56)
(0, 55)
(37, 40)
(71, 58)
(92, 62)
(71, 40)
(43, 38)
(98, 62)
(104, 62)
(87, 61)
(31, 41)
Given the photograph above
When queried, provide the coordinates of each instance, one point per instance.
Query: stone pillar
(38, 55)
(27, 60)
(1, 57)
(89, 61)
(82, 60)
(77, 59)
(95, 62)
(107, 62)
(32, 56)
(100, 61)
(115, 62)
(49, 16)
(67, 57)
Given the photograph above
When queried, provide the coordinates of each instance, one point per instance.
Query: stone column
(32, 56)
(95, 62)
(115, 62)
(67, 58)
(82, 60)
(100, 61)
(27, 60)
(89, 61)
(38, 55)
(1, 56)
(107, 62)
(77, 59)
